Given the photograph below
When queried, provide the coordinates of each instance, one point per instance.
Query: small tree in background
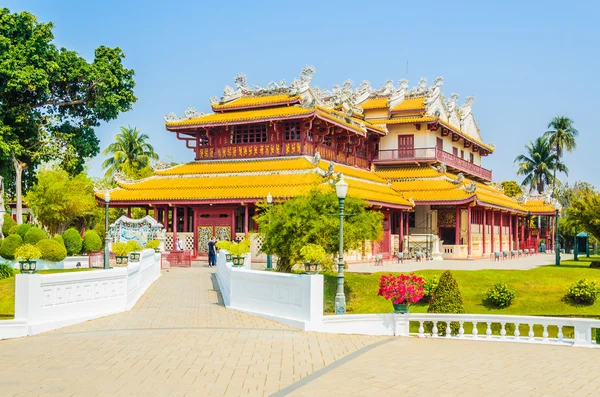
(446, 299)
(511, 188)
(73, 241)
(311, 219)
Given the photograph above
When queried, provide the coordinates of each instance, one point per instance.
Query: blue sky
(525, 62)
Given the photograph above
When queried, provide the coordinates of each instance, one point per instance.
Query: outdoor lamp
(341, 188)
(269, 198)
(106, 233)
(269, 257)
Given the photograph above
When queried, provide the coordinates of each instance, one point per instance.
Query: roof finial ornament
(170, 117)
(241, 82)
(471, 187)
(316, 159)
(192, 113)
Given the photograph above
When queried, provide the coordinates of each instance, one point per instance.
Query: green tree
(511, 188)
(311, 219)
(131, 154)
(58, 200)
(537, 165)
(446, 299)
(51, 99)
(584, 214)
(561, 137)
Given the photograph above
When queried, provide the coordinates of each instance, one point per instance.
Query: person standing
(212, 253)
(179, 244)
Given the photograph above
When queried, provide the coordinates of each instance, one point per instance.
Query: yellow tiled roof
(469, 137)
(375, 192)
(257, 101)
(244, 115)
(327, 113)
(391, 173)
(403, 120)
(375, 103)
(538, 206)
(374, 127)
(230, 166)
(352, 172)
(410, 104)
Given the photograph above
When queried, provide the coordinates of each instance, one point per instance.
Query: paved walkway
(180, 341)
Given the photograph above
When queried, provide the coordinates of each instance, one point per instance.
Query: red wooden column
(195, 223)
(174, 228)
(523, 232)
(457, 225)
(469, 256)
(401, 237)
(493, 248)
(510, 232)
(128, 212)
(483, 231)
(500, 231)
(406, 225)
(185, 219)
(246, 220)
(166, 218)
(155, 214)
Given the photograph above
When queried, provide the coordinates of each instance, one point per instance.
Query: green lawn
(539, 291)
(7, 292)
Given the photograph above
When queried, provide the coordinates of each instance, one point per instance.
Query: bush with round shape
(34, 235)
(73, 241)
(134, 246)
(9, 245)
(119, 249)
(583, 292)
(59, 238)
(500, 295)
(446, 299)
(13, 230)
(91, 241)
(27, 252)
(23, 229)
(9, 222)
(52, 250)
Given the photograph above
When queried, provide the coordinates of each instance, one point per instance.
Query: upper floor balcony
(430, 155)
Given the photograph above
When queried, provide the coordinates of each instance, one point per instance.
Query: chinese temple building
(413, 154)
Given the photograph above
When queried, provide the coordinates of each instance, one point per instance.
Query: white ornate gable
(468, 125)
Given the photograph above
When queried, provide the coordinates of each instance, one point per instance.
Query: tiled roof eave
(237, 122)
(225, 108)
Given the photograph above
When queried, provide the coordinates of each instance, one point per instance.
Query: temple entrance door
(448, 235)
(206, 232)
(218, 223)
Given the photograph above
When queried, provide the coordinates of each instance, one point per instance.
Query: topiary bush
(13, 230)
(6, 271)
(446, 299)
(59, 238)
(91, 241)
(23, 229)
(500, 295)
(9, 222)
(34, 235)
(52, 250)
(27, 252)
(73, 241)
(583, 291)
(429, 287)
(9, 245)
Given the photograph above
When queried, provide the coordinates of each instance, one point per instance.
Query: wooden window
(462, 154)
(455, 151)
(292, 131)
(406, 146)
(327, 140)
(439, 143)
(471, 157)
(252, 133)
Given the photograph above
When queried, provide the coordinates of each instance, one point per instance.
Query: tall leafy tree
(51, 99)
(537, 165)
(584, 214)
(289, 226)
(131, 154)
(561, 137)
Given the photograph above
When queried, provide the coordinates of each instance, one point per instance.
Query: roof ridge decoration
(470, 187)
(460, 178)
(329, 172)
(316, 159)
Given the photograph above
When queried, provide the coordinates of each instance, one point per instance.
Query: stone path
(179, 341)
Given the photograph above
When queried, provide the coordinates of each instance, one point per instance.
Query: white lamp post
(269, 258)
(341, 189)
(106, 233)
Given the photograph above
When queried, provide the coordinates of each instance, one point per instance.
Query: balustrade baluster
(475, 331)
(517, 332)
(448, 330)
(488, 331)
(461, 330)
(502, 330)
(560, 334)
(545, 334)
(531, 333)
(421, 329)
(434, 331)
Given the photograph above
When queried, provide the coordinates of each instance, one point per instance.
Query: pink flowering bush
(401, 289)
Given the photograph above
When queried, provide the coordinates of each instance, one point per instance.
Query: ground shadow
(569, 301)
(215, 285)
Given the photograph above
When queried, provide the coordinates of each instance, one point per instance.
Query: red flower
(401, 289)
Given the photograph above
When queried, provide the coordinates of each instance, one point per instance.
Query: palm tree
(537, 165)
(560, 137)
(130, 153)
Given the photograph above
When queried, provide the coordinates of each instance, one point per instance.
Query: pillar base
(469, 256)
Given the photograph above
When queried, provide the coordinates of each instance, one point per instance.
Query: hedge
(73, 241)
(34, 235)
(9, 245)
(91, 241)
(23, 229)
(52, 250)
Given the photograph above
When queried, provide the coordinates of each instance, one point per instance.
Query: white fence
(48, 301)
(293, 299)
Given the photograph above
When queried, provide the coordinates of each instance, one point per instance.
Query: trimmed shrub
(91, 241)
(446, 299)
(73, 241)
(52, 250)
(428, 288)
(13, 230)
(23, 229)
(59, 238)
(9, 245)
(27, 252)
(34, 235)
(583, 291)
(6, 271)
(134, 246)
(500, 295)
(9, 222)
(595, 265)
